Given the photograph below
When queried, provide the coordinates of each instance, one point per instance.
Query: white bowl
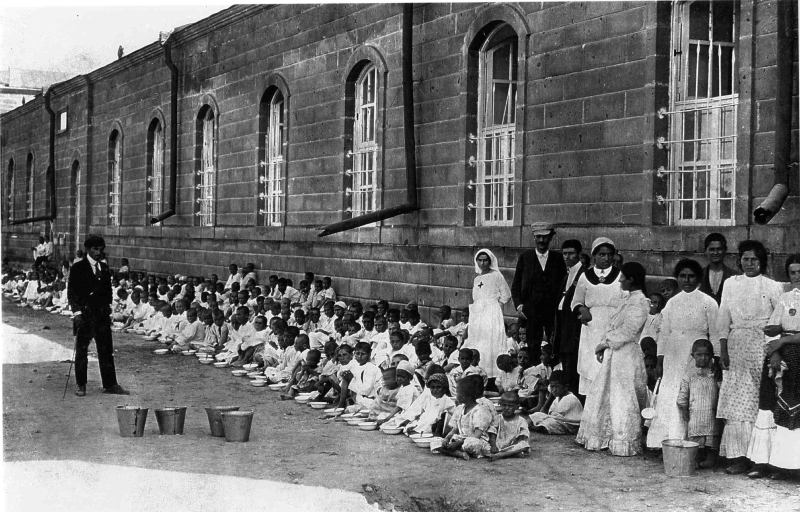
(205, 361)
(258, 383)
(150, 338)
(161, 351)
(277, 387)
(424, 442)
(239, 373)
(363, 413)
(414, 437)
(495, 399)
(333, 412)
(318, 405)
(140, 331)
(302, 399)
(354, 421)
(250, 366)
(253, 374)
(261, 377)
(648, 413)
(189, 352)
(392, 431)
(221, 364)
(368, 425)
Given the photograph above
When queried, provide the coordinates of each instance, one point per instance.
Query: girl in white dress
(597, 296)
(487, 331)
(611, 417)
(690, 315)
(747, 304)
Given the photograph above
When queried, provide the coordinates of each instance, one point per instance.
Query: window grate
(365, 145)
(272, 175)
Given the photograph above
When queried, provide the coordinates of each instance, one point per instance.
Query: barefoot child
(697, 402)
(360, 383)
(508, 377)
(564, 414)
(405, 395)
(193, 333)
(511, 436)
(469, 426)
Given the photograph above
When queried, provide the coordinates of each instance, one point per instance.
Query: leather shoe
(116, 389)
(81, 391)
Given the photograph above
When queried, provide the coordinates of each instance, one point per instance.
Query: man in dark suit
(89, 295)
(536, 287)
(716, 273)
(567, 331)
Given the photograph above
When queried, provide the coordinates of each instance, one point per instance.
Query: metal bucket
(131, 420)
(170, 420)
(215, 418)
(237, 425)
(679, 457)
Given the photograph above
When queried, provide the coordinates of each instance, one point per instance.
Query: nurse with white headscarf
(597, 296)
(487, 330)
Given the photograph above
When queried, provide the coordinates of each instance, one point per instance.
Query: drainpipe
(173, 136)
(411, 204)
(50, 173)
(783, 116)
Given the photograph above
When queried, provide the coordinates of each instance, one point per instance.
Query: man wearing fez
(89, 295)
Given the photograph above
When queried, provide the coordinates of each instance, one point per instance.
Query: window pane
(721, 71)
(698, 21)
(500, 58)
(501, 99)
(687, 193)
(723, 21)
(701, 192)
(698, 72)
(688, 134)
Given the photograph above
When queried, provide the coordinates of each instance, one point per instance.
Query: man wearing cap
(89, 295)
(536, 286)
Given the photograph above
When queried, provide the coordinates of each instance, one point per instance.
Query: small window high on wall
(205, 177)
(496, 137)
(155, 168)
(702, 113)
(114, 178)
(271, 164)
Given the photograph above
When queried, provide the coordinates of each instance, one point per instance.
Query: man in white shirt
(235, 277)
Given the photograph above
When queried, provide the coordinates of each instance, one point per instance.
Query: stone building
(250, 132)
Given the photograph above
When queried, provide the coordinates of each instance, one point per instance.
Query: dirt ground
(290, 443)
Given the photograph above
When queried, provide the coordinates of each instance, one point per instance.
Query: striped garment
(699, 392)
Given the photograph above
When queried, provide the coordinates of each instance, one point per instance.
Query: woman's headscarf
(602, 241)
(492, 260)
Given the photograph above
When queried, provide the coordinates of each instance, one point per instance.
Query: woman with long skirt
(748, 302)
(775, 442)
(690, 315)
(611, 416)
(487, 330)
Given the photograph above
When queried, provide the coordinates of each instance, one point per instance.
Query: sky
(80, 38)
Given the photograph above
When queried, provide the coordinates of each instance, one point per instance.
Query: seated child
(697, 402)
(424, 361)
(398, 341)
(119, 306)
(216, 332)
(565, 412)
(542, 371)
(296, 357)
(192, 335)
(427, 412)
(469, 425)
(474, 368)
(360, 383)
(510, 437)
(449, 354)
(403, 399)
(529, 377)
(386, 398)
(457, 373)
(508, 377)
(344, 359)
(305, 376)
(329, 370)
(256, 341)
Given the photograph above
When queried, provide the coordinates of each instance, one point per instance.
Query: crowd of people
(713, 357)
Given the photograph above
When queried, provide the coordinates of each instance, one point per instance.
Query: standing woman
(748, 302)
(776, 435)
(487, 331)
(611, 417)
(597, 296)
(690, 315)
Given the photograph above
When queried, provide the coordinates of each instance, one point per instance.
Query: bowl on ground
(277, 387)
(150, 338)
(258, 383)
(301, 399)
(423, 442)
(368, 425)
(239, 373)
(189, 352)
(161, 351)
(333, 412)
(392, 431)
(250, 366)
(354, 421)
(205, 361)
(221, 364)
(318, 405)
(420, 436)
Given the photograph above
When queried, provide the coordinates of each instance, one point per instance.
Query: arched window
(114, 177)
(365, 143)
(29, 185)
(496, 119)
(702, 113)
(155, 168)
(205, 162)
(272, 161)
(10, 191)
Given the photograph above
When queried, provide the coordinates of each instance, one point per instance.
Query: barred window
(702, 114)
(206, 175)
(114, 178)
(497, 103)
(29, 185)
(271, 175)
(10, 184)
(365, 143)
(155, 168)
